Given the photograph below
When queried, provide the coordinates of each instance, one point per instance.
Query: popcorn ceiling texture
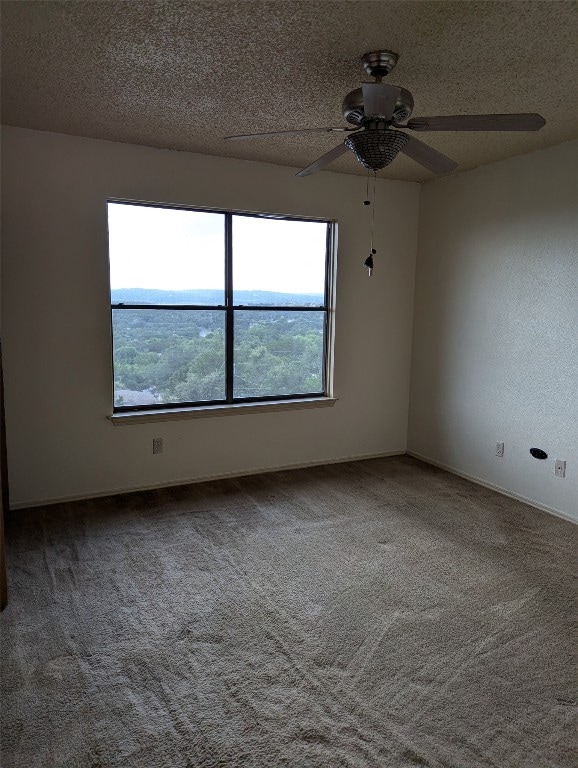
(181, 75)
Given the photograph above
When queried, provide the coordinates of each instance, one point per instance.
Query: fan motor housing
(352, 108)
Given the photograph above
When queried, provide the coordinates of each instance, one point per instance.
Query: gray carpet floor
(377, 613)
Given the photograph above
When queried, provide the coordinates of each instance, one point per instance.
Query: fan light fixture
(375, 148)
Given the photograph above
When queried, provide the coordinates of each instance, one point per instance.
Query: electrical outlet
(560, 468)
(500, 450)
(157, 445)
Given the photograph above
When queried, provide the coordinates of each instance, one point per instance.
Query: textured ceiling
(182, 75)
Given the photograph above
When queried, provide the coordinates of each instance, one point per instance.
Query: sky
(174, 249)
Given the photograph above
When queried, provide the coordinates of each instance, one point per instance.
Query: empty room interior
(289, 364)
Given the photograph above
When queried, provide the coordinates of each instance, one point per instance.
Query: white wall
(55, 309)
(496, 325)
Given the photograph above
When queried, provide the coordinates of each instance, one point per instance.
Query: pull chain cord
(369, 260)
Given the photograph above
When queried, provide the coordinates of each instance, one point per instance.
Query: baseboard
(202, 479)
(498, 488)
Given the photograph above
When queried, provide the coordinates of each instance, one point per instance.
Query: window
(216, 307)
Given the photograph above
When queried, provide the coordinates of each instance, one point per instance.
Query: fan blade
(379, 99)
(522, 122)
(324, 160)
(427, 156)
(289, 133)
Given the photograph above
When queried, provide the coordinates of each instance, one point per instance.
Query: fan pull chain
(369, 260)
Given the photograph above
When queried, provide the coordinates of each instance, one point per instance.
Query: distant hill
(211, 296)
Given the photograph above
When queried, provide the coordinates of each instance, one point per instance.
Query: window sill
(202, 412)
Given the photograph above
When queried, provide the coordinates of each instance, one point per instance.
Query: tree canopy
(179, 355)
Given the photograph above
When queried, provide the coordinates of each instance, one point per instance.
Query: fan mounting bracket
(379, 63)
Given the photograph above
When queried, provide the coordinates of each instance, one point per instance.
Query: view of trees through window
(171, 317)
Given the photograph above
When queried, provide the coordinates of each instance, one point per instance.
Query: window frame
(229, 309)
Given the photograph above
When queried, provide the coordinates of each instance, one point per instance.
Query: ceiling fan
(375, 112)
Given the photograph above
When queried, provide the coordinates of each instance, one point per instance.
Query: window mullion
(229, 324)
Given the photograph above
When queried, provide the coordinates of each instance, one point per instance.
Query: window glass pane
(278, 262)
(278, 353)
(165, 255)
(168, 356)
